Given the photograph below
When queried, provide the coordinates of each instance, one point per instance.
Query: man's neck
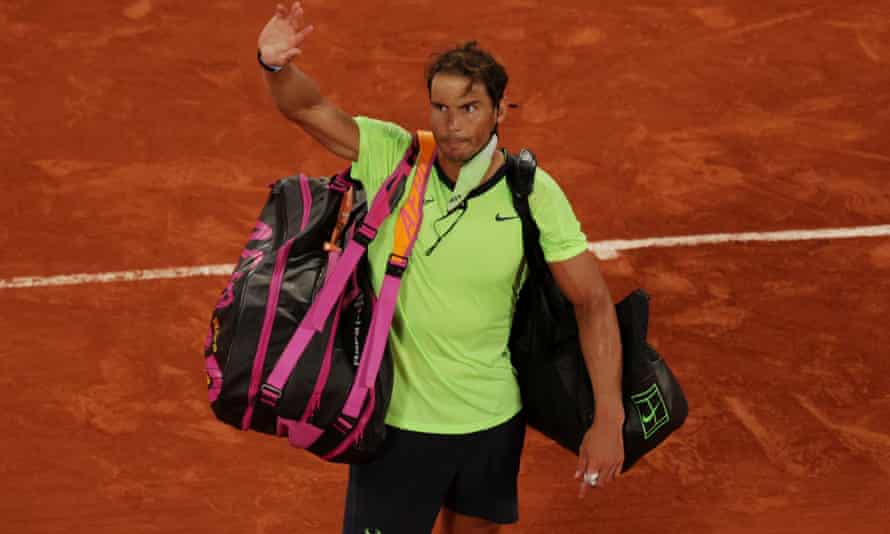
(452, 168)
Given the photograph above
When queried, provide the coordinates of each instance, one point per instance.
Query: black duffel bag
(557, 395)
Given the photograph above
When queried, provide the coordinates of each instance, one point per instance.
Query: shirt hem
(427, 428)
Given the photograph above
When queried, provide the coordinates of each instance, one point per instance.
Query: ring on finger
(591, 478)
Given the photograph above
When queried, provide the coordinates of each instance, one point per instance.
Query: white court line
(607, 250)
(120, 276)
(604, 250)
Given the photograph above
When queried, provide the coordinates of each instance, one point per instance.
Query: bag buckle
(365, 234)
(270, 395)
(396, 265)
(340, 183)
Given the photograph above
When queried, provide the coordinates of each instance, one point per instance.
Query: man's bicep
(580, 279)
(333, 128)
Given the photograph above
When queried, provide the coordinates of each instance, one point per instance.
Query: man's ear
(502, 111)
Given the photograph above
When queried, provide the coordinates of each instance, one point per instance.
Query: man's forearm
(601, 345)
(296, 94)
(293, 91)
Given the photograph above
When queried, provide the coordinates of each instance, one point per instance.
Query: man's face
(462, 116)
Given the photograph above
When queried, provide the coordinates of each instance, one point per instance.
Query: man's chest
(480, 243)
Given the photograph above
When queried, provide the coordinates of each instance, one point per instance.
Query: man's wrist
(610, 413)
(266, 66)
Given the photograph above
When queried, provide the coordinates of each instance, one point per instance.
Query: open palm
(281, 37)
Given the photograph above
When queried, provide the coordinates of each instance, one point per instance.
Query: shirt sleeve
(381, 146)
(561, 234)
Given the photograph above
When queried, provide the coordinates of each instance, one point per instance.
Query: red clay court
(138, 137)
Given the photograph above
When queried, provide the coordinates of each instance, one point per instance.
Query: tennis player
(455, 421)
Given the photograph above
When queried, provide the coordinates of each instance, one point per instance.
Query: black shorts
(402, 491)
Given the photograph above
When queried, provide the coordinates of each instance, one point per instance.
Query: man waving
(456, 428)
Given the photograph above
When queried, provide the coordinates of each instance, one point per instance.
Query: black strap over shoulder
(521, 179)
(521, 173)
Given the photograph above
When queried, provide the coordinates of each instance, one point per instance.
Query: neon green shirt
(449, 337)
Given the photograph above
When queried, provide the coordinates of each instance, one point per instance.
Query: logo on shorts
(650, 406)
(373, 531)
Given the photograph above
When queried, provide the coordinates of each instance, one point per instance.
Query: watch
(270, 68)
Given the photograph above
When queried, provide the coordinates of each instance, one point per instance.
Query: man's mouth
(454, 143)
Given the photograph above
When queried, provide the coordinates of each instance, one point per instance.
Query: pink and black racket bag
(297, 345)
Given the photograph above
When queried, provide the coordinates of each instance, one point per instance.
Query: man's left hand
(601, 455)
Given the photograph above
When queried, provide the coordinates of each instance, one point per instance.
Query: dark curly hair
(473, 62)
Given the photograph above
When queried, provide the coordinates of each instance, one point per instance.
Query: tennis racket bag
(297, 345)
(556, 389)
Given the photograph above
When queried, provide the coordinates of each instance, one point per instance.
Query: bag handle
(346, 204)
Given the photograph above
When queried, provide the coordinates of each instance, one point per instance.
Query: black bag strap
(552, 302)
(521, 179)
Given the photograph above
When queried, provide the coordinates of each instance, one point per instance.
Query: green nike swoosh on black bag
(557, 395)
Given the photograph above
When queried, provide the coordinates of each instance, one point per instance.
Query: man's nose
(454, 121)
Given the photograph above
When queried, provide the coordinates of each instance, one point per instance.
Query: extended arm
(296, 94)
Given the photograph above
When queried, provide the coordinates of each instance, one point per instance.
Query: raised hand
(283, 34)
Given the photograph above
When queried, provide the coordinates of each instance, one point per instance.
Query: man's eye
(471, 108)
